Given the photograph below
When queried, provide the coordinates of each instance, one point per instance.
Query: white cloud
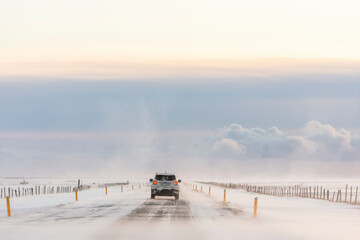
(328, 138)
(233, 149)
(229, 147)
(316, 141)
(263, 143)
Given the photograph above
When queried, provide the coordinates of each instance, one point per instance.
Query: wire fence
(349, 194)
(22, 191)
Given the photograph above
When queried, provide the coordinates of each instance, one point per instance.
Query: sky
(225, 88)
(117, 39)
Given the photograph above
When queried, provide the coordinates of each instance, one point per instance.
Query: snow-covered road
(161, 208)
(133, 215)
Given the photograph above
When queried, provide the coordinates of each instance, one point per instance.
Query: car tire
(176, 196)
(152, 196)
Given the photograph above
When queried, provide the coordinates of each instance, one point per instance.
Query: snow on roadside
(308, 218)
(97, 216)
(75, 220)
(39, 203)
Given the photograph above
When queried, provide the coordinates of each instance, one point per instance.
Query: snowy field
(15, 182)
(133, 215)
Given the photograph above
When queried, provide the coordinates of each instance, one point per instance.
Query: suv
(165, 184)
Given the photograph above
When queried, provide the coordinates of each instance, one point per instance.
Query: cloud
(268, 143)
(233, 149)
(328, 138)
(315, 141)
(228, 146)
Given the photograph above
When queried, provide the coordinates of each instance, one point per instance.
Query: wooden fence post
(328, 195)
(255, 206)
(8, 206)
(314, 192)
(321, 192)
(356, 195)
(337, 196)
(209, 190)
(76, 194)
(346, 192)
(105, 190)
(224, 195)
(340, 195)
(132, 187)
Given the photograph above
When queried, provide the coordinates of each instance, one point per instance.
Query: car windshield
(165, 177)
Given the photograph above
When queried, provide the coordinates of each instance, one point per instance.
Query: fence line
(48, 189)
(315, 192)
(35, 190)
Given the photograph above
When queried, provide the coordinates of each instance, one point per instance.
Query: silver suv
(165, 184)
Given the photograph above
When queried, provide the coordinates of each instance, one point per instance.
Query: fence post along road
(9, 193)
(345, 195)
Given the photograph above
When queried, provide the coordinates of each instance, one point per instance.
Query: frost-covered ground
(132, 215)
(35, 181)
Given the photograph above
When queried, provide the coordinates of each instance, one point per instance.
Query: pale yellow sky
(44, 33)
